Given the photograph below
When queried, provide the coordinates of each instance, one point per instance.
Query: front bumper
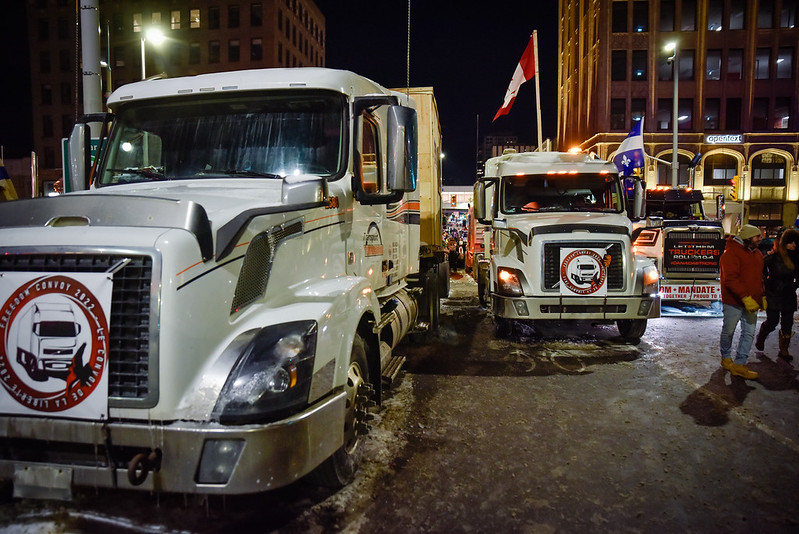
(47, 457)
(608, 308)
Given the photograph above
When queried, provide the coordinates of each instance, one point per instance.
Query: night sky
(467, 51)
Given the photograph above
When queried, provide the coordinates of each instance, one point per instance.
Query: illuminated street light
(674, 61)
(155, 36)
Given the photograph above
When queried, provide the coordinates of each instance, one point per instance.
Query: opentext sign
(720, 139)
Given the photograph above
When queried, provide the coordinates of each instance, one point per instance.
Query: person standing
(779, 276)
(742, 295)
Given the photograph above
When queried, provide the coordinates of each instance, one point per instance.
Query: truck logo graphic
(583, 272)
(54, 343)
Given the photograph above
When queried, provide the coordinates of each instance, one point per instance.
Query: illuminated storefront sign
(724, 139)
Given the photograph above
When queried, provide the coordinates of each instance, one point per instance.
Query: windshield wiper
(242, 172)
(147, 172)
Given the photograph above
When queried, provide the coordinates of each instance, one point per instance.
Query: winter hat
(789, 236)
(748, 231)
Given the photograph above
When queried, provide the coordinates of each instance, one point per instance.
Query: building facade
(200, 36)
(737, 81)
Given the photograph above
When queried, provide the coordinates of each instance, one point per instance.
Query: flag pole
(537, 91)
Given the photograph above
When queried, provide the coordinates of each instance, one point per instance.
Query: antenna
(408, 55)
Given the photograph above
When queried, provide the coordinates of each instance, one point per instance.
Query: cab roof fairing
(543, 162)
(341, 81)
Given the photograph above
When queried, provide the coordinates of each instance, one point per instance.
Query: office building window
(63, 60)
(194, 53)
(762, 61)
(760, 114)
(280, 54)
(665, 72)
(174, 19)
(213, 18)
(765, 14)
(619, 17)
(66, 93)
(155, 18)
(769, 169)
(685, 114)
(63, 28)
(43, 30)
(47, 126)
(782, 113)
(256, 49)
(720, 168)
(640, 16)
(788, 13)
(666, 22)
(137, 22)
(639, 64)
(732, 117)
(637, 109)
(737, 14)
(233, 16)
(715, 15)
(213, 52)
(735, 61)
(618, 65)
(713, 65)
(712, 113)
(664, 114)
(686, 62)
(617, 114)
(44, 62)
(765, 214)
(233, 50)
(47, 95)
(688, 16)
(66, 125)
(194, 18)
(256, 14)
(119, 56)
(784, 63)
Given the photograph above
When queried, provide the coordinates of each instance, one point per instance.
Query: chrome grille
(552, 262)
(130, 377)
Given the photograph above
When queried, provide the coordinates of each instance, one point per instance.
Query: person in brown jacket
(742, 295)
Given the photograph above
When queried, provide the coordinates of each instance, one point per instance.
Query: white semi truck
(561, 246)
(261, 234)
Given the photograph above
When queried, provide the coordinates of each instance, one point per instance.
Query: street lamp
(674, 60)
(155, 36)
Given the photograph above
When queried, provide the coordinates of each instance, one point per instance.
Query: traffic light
(735, 184)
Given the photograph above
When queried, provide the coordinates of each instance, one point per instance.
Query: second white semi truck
(562, 244)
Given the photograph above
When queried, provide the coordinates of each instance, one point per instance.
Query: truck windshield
(674, 210)
(561, 192)
(253, 135)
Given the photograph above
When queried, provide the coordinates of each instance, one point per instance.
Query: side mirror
(403, 145)
(79, 157)
(480, 201)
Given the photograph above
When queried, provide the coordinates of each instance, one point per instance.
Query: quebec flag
(631, 151)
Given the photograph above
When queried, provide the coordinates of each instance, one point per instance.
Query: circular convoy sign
(583, 272)
(54, 349)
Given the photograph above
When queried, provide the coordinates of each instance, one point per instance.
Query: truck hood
(216, 211)
(565, 222)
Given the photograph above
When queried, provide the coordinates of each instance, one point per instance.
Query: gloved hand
(765, 304)
(750, 304)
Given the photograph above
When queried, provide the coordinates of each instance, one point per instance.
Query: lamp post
(155, 36)
(675, 68)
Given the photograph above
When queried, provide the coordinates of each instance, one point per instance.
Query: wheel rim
(354, 382)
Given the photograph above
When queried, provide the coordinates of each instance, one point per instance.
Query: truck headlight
(272, 377)
(508, 282)
(651, 279)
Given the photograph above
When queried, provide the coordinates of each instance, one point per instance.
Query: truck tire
(503, 327)
(483, 292)
(339, 470)
(631, 329)
(431, 298)
(443, 279)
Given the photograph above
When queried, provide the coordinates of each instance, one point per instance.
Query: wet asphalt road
(562, 429)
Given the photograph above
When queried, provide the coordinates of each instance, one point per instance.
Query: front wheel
(631, 329)
(339, 470)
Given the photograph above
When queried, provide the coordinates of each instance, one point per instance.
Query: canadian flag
(524, 71)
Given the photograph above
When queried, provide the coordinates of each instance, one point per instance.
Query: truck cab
(684, 242)
(561, 244)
